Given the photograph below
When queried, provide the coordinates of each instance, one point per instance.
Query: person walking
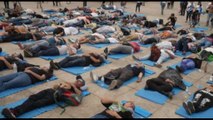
(39, 4)
(6, 4)
(209, 10)
(138, 6)
(189, 11)
(163, 5)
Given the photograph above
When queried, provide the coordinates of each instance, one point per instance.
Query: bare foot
(20, 46)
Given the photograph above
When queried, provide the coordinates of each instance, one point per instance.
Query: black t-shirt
(172, 19)
(98, 57)
(125, 114)
(40, 72)
(136, 70)
(88, 61)
(10, 59)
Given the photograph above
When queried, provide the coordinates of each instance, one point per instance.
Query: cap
(79, 78)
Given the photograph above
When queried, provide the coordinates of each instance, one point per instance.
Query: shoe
(27, 53)
(135, 58)
(8, 113)
(188, 106)
(158, 65)
(93, 77)
(179, 69)
(113, 84)
(53, 65)
(106, 51)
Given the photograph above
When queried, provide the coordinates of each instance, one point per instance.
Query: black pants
(137, 8)
(159, 85)
(40, 99)
(6, 4)
(47, 51)
(72, 61)
(189, 16)
(150, 41)
(181, 45)
(182, 32)
(21, 66)
(199, 98)
(120, 74)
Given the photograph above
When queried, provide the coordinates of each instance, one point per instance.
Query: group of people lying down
(160, 50)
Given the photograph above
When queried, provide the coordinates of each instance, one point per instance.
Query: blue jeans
(209, 17)
(71, 61)
(35, 46)
(204, 42)
(19, 21)
(53, 42)
(99, 116)
(15, 80)
(47, 51)
(181, 45)
(187, 64)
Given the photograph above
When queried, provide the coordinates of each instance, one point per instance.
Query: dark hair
(59, 30)
(79, 46)
(172, 14)
(0, 49)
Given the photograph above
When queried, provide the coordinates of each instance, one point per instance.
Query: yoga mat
(200, 29)
(80, 70)
(16, 90)
(134, 79)
(210, 82)
(177, 26)
(99, 45)
(139, 112)
(185, 72)
(204, 114)
(57, 57)
(157, 97)
(3, 54)
(179, 53)
(23, 42)
(35, 112)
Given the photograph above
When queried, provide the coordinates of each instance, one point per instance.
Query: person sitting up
(31, 75)
(172, 20)
(115, 109)
(83, 60)
(165, 82)
(115, 78)
(46, 97)
(202, 100)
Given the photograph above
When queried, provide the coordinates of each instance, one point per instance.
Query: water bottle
(14, 68)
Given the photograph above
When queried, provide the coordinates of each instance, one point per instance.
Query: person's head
(173, 42)
(48, 70)
(129, 105)
(80, 82)
(59, 31)
(172, 14)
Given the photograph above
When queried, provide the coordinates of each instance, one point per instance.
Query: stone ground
(91, 104)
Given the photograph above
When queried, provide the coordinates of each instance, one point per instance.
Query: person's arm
(140, 76)
(34, 38)
(10, 66)
(172, 56)
(108, 101)
(37, 76)
(94, 59)
(77, 91)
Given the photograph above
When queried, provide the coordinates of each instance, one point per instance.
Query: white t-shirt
(71, 31)
(99, 35)
(106, 29)
(62, 49)
(94, 14)
(209, 49)
(112, 40)
(72, 21)
(164, 45)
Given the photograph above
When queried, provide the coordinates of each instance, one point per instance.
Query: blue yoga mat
(80, 70)
(16, 90)
(35, 112)
(151, 63)
(185, 72)
(200, 29)
(146, 46)
(179, 53)
(23, 42)
(134, 79)
(118, 56)
(3, 54)
(100, 45)
(210, 82)
(57, 57)
(204, 114)
(157, 97)
(139, 112)
(177, 26)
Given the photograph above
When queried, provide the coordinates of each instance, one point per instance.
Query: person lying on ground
(47, 97)
(115, 78)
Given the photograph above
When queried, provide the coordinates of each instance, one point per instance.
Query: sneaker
(53, 65)
(93, 77)
(27, 53)
(113, 84)
(8, 113)
(158, 65)
(186, 107)
(135, 58)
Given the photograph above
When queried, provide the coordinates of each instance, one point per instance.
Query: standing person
(138, 6)
(39, 4)
(168, 4)
(111, 3)
(163, 4)
(189, 11)
(172, 4)
(6, 4)
(200, 11)
(183, 5)
(210, 13)
(123, 4)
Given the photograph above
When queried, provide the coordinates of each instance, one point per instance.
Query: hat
(79, 78)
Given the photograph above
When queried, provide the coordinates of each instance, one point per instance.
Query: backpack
(69, 98)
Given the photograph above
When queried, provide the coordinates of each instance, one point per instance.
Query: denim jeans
(204, 42)
(71, 61)
(48, 29)
(181, 45)
(187, 64)
(19, 21)
(209, 17)
(52, 42)
(122, 49)
(99, 116)
(15, 80)
(162, 7)
(47, 51)
(35, 46)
